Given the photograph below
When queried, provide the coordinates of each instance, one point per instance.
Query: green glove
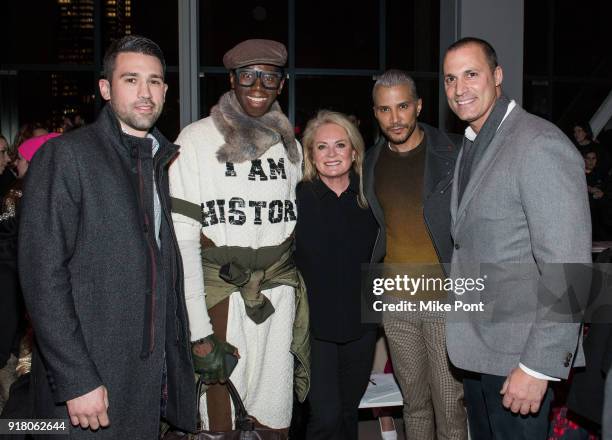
(216, 366)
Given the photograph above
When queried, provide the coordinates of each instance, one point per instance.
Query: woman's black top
(334, 236)
(12, 308)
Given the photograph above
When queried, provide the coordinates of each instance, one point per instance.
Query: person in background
(335, 235)
(15, 334)
(73, 122)
(585, 141)
(4, 154)
(7, 176)
(26, 151)
(595, 175)
(10, 309)
(599, 186)
(596, 182)
(583, 136)
(27, 131)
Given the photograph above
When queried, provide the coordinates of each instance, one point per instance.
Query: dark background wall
(51, 54)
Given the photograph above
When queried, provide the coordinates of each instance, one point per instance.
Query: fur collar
(247, 138)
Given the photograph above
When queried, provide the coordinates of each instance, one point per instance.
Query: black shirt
(334, 236)
(7, 178)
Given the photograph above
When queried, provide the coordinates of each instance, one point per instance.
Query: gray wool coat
(525, 206)
(107, 304)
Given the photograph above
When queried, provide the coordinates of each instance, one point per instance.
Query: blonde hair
(329, 117)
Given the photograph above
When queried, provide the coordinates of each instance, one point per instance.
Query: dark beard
(403, 139)
(138, 123)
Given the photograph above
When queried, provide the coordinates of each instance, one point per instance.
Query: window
(336, 34)
(48, 97)
(54, 62)
(334, 50)
(223, 24)
(567, 59)
(58, 32)
(350, 95)
(413, 36)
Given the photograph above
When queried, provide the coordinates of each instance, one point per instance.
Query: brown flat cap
(255, 51)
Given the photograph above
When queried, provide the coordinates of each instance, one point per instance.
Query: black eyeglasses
(269, 80)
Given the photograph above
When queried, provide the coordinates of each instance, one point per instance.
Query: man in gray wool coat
(100, 267)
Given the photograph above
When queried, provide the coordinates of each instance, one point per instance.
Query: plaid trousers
(431, 388)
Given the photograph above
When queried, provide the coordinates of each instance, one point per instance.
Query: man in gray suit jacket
(519, 202)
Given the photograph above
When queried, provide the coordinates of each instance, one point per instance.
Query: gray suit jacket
(525, 205)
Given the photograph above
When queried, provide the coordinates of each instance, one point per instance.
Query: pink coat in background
(31, 146)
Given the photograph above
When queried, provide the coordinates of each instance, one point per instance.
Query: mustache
(145, 102)
(393, 127)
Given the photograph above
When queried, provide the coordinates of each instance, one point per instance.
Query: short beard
(138, 123)
(132, 120)
(144, 123)
(401, 140)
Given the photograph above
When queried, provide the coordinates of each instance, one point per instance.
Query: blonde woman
(335, 234)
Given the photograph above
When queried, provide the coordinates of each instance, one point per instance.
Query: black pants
(488, 419)
(339, 377)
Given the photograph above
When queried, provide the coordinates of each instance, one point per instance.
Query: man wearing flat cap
(233, 189)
